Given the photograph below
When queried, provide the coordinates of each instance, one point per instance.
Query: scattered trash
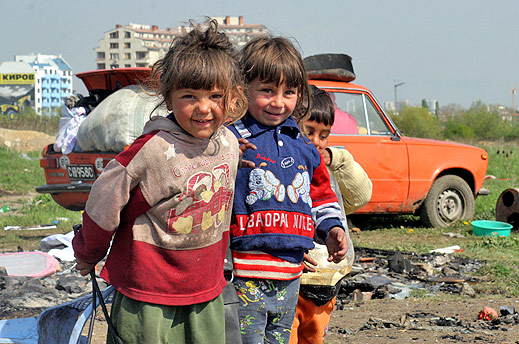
(26, 157)
(488, 313)
(449, 249)
(59, 246)
(388, 274)
(454, 235)
(29, 228)
(507, 310)
(5, 208)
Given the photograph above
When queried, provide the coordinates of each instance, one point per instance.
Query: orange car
(437, 180)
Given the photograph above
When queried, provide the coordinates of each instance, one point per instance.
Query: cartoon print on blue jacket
(264, 184)
(300, 187)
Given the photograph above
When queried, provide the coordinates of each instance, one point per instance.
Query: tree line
(452, 122)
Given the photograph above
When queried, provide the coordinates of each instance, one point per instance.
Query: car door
(363, 130)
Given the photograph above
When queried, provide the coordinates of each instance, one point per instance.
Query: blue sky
(454, 51)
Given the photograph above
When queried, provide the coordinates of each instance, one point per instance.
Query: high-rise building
(137, 45)
(52, 82)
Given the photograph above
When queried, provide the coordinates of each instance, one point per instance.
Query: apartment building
(138, 45)
(52, 80)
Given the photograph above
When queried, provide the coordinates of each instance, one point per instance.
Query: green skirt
(141, 322)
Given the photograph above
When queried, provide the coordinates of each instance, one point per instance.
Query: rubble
(393, 274)
(22, 296)
(372, 277)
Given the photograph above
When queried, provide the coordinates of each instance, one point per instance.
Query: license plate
(81, 172)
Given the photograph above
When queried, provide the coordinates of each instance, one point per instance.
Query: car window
(355, 114)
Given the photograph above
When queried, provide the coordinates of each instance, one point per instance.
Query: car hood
(113, 79)
(437, 143)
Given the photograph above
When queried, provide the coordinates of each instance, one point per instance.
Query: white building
(137, 45)
(53, 80)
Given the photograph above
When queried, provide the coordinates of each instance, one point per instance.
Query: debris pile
(378, 274)
(22, 296)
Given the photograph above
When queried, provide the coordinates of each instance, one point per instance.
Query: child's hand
(308, 262)
(244, 146)
(337, 244)
(327, 158)
(84, 267)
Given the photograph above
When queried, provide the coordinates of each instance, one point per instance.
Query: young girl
(281, 203)
(166, 200)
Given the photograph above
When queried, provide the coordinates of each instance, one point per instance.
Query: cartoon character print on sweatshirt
(204, 204)
(264, 184)
(300, 187)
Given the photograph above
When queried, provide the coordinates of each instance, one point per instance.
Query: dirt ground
(414, 321)
(404, 321)
(24, 140)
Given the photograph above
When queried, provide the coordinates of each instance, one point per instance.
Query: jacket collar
(248, 124)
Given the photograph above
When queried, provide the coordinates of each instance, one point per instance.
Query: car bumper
(61, 188)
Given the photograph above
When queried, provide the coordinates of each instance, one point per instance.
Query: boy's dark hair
(271, 58)
(323, 110)
(201, 59)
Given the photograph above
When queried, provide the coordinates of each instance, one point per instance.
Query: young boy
(318, 290)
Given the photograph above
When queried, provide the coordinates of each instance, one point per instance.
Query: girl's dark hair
(272, 59)
(201, 59)
(323, 110)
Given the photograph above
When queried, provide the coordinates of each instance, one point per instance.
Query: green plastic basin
(491, 228)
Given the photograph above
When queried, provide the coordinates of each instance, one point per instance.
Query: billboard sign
(16, 92)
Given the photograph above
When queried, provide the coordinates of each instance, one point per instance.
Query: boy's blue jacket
(281, 203)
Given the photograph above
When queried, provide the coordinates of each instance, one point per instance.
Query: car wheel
(449, 199)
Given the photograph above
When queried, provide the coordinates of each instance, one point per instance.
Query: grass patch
(30, 120)
(20, 173)
(19, 177)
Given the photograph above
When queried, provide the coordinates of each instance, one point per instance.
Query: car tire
(449, 199)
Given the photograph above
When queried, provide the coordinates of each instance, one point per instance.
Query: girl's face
(199, 112)
(271, 104)
(318, 133)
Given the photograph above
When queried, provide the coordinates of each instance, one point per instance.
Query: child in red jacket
(166, 201)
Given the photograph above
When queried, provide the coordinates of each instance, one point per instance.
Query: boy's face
(199, 112)
(318, 133)
(271, 104)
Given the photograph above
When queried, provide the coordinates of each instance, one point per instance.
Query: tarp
(30, 264)
(19, 331)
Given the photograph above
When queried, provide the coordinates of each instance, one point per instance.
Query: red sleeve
(92, 242)
(320, 188)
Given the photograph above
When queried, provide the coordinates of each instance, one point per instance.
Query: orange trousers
(310, 321)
